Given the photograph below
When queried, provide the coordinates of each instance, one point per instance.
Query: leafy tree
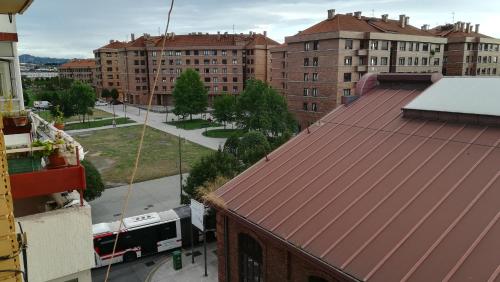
(95, 186)
(252, 147)
(105, 93)
(225, 108)
(190, 94)
(208, 168)
(114, 94)
(261, 108)
(231, 145)
(84, 98)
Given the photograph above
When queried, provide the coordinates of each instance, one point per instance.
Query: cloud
(62, 28)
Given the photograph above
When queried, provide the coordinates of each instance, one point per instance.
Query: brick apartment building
(469, 52)
(79, 69)
(318, 66)
(400, 185)
(223, 60)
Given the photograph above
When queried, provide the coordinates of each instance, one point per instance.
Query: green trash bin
(177, 259)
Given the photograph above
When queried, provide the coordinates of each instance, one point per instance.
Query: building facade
(322, 64)
(79, 69)
(468, 52)
(224, 62)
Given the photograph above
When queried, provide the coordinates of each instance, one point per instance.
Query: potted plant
(58, 119)
(13, 118)
(52, 152)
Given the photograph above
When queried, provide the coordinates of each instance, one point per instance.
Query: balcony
(42, 159)
(362, 52)
(363, 68)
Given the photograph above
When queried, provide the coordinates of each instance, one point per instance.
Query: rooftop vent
(357, 14)
(459, 99)
(331, 14)
(385, 17)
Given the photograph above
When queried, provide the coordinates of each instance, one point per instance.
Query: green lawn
(193, 124)
(97, 123)
(223, 133)
(113, 152)
(98, 114)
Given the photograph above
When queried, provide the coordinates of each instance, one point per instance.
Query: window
(410, 61)
(346, 92)
(385, 45)
(305, 106)
(207, 79)
(206, 62)
(5, 78)
(306, 91)
(437, 49)
(235, 61)
(178, 61)
(235, 79)
(315, 91)
(206, 52)
(315, 61)
(348, 44)
(402, 46)
(348, 60)
(383, 61)
(314, 107)
(196, 52)
(494, 71)
(436, 61)
(235, 52)
(196, 61)
(315, 77)
(316, 45)
(224, 53)
(415, 62)
(410, 46)
(188, 62)
(235, 89)
(306, 77)
(224, 61)
(402, 61)
(417, 46)
(347, 77)
(373, 61)
(425, 47)
(469, 46)
(424, 61)
(307, 46)
(374, 45)
(306, 62)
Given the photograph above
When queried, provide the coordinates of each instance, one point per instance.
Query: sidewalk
(71, 132)
(157, 121)
(189, 272)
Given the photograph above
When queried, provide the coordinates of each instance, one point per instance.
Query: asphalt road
(136, 271)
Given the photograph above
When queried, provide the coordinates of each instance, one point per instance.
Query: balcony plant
(59, 119)
(53, 151)
(12, 118)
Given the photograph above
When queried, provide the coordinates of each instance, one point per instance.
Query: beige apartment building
(224, 62)
(79, 69)
(468, 52)
(315, 68)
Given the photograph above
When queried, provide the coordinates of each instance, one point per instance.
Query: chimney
(470, 29)
(111, 41)
(467, 29)
(385, 17)
(425, 27)
(331, 14)
(132, 36)
(265, 33)
(357, 14)
(402, 19)
(462, 26)
(407, 21)
(173, 35)
(476, 30)
(349, 14)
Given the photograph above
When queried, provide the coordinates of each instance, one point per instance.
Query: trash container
(177, 260)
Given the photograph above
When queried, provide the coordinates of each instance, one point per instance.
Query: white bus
(141, 235)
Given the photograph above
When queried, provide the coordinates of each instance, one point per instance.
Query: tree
(225, 108)
(261, 108)
(105, 93)
(114, 94)
(231, 145)
(252, 147)
(84, 98)
(210, 167)
(190, 94)
(95, 186)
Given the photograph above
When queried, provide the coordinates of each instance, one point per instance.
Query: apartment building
(79, 69)
(468, 52)
(46, 226)
(320, 65)
(224, 61)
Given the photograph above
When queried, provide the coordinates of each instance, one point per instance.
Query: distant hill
(25, 58)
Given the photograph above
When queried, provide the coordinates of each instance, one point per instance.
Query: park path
(157, 121)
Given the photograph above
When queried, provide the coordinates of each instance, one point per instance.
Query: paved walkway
(72, 132)
(189, 272)
(149, 196)
(157, 120)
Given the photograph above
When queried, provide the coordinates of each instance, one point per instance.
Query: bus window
(167, 231)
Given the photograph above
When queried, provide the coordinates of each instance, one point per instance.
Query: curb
(153, 271)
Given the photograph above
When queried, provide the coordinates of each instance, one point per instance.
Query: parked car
(101, 103)
(42, 104)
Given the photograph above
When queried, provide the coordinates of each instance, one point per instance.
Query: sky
(74, 28)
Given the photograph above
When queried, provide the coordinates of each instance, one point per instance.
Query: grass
(193, 124)
(97, 123)
(98, 114)
(223, 133)
(113, 152)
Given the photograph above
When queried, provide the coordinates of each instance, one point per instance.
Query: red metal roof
(382, 197)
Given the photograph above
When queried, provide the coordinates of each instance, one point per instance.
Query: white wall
(6, 25)
(59, 244)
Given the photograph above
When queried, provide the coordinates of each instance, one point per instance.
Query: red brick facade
(280, 262)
